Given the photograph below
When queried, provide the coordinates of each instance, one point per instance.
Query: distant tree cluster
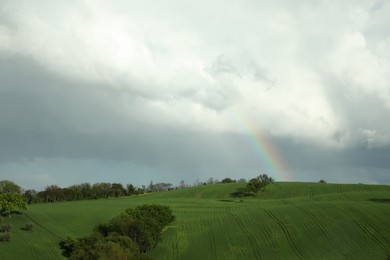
(228, 180)
(160, 186)
(127, 236)
(254, 186)
(84, 191)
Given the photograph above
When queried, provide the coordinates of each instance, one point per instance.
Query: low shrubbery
(5, 236)
(7, 227)
(126, 236)
(5, 231)
(28, 226)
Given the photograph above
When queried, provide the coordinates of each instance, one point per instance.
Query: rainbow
(271, 161)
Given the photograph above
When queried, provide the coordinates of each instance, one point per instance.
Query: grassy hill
(288, 221)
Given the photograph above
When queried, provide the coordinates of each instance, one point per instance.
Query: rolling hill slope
(288, 221)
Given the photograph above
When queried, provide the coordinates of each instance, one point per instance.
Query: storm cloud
(132, 92)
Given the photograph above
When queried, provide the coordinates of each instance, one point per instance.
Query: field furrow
(287, 235)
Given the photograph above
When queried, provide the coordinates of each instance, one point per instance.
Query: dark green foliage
(83, 191)
(113, 246)
(228, 180)
(30, 196)
(67, 246)
(126, 236)
(117, 190)
(5, 231)
(254, 186)
(5, 236)
(241, 192)
(322, 181)
(130, 189)
(7, 227)
(28, 226)
(158, 213)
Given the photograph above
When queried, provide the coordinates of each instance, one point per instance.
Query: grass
(288, 221)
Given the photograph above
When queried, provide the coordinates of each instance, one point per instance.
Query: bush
(228, 180)
(322, 181)
(5, 237)
(97, 246)
(28, 226)
(126, 236)
(6, 227)
(67, 246)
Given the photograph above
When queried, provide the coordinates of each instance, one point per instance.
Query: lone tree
(258, 184)
(10, 201)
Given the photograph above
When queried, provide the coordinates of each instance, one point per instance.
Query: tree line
(83, 191)
(87, 191)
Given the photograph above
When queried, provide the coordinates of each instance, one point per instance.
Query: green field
(288, 221)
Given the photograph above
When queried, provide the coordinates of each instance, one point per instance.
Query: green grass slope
(288, 221)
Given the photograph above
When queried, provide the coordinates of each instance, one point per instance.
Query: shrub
(28, 226)
(67, 246)
(228, 180)
(126, 236)
(322, 181)
(5, 237)
(6, 227)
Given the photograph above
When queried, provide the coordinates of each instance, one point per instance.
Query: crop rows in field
(330, 221)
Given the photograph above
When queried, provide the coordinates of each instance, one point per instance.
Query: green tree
(228, 180)
(117, 190)
(30, 196)
(10, 201)
(111, 247)
(130, 189)
(127, 236)
(258, 184)
(9, 186)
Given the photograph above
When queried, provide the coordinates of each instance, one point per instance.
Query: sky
(164, 91)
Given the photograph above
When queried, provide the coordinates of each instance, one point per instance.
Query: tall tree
(30, 195)
(117, 190)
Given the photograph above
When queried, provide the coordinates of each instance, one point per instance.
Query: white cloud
(298, 70)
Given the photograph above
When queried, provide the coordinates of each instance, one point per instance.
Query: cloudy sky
(134, 91)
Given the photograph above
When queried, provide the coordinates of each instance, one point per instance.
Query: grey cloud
(143, 83)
